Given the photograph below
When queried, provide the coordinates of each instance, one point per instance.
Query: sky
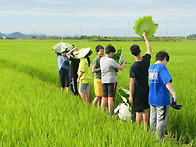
(96, 17)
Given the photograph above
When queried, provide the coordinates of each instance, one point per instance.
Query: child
(159, 95)
(84, 76)
(97, 73)
(73, 68)
(63, 68)
(139, 82)
(108, 75)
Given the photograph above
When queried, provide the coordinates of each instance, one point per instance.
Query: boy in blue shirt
(159, 94)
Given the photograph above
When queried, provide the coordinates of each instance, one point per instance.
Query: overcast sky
(96, 17)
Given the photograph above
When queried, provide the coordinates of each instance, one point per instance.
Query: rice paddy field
(34, 112)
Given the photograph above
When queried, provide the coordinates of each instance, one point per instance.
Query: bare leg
(67, 88)
(87, 97)
(97, 100)
(145, 118)
(139, 118)
(83, 96)
(103, 104)
(111, 105)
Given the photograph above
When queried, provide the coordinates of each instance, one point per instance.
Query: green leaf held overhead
(145, 24)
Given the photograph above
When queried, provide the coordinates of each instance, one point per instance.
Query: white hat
(62, 47)
(82, 52)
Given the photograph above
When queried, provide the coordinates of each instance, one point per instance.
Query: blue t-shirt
(63, 63)
(159, 76)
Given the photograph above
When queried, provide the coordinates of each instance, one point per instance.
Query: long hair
(89, 61)
(87, 57)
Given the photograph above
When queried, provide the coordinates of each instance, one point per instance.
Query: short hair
(110, 49)
(161, 55)
(98, 48)
(64, 51)
(135, 50)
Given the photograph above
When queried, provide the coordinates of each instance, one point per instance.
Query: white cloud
(111, 13)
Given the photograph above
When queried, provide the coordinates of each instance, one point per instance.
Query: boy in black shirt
(139, 89)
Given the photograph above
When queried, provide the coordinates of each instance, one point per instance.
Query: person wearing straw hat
(63, 68)
(73, 69)
(84, 73)
(61, 50)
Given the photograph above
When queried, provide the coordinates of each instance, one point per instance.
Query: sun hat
(62, 47)
(82, 52)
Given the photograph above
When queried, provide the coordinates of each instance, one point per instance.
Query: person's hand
(175, 98)
(130, 99)
(144, 34)
(78, 80)
(125, 62)
(75, 49)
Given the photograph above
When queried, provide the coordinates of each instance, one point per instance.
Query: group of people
(155, 96)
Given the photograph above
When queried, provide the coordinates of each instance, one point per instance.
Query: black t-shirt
(73, 68)
(139, 71)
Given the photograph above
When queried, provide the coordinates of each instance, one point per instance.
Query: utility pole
(186, 31)
(65, 32)
(129, 34)
(101, 31)
(166, 28)
(81, 30)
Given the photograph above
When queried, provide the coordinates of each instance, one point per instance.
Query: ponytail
(89, 61)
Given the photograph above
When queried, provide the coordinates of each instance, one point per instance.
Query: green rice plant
(34, 112)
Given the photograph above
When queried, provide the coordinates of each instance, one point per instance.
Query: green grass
(34, 112)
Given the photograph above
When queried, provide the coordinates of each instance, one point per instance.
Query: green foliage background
(34, 112)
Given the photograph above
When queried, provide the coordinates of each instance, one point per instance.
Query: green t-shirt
(96, 63)
(83, 67)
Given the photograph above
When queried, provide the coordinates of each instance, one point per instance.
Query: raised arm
(147, 43)
(68, 54)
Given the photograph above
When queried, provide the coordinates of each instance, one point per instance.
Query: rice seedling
(34, 112)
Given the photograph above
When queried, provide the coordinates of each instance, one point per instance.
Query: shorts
(140, 101)
(98, 87)
(64, 79)
(109, 89)
(84, 88)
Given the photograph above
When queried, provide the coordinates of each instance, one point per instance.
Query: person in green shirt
(84, 77)
(97, 76)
